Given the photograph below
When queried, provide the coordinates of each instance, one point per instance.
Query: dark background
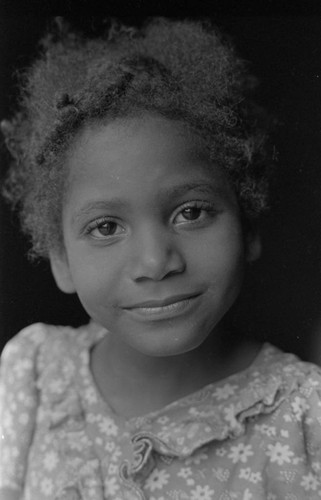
(282, 296)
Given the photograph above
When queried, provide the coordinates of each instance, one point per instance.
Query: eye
(194, 212)
(104, 228)
(191, 213)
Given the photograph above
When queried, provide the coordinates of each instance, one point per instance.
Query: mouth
(165, 308)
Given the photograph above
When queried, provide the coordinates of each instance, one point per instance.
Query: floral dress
(252, 436)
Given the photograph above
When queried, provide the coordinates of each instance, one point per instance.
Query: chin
(168, 343)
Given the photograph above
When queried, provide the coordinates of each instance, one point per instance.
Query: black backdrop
(282, 296)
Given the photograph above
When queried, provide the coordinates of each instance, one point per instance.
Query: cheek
(221, 254)
(95, 278)
(97, 293)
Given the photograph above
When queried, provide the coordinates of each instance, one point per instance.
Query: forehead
(137, 153)
(144, 135)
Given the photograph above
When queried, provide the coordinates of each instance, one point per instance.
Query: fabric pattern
(255, 435)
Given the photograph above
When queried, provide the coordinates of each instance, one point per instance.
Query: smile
(163, 309)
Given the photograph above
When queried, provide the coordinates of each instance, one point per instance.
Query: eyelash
(97, 224)
(203, 206)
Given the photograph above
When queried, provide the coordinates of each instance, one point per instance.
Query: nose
(155, 255)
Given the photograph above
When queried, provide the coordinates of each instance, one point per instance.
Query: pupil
(108, 228)
(191, 213)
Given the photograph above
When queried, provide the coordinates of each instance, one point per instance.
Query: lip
(162, 302)
(164, 308)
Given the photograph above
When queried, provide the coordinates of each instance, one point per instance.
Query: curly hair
(182, 70)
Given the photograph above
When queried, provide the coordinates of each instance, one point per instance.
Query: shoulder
(279, 387)
(297, 393)
(21, 352)
(292, 372)
(33, 346)
(38, 334)
(303, 380)
(31, 336)
(278, 376)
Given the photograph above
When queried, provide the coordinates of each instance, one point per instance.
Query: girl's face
(153, 240)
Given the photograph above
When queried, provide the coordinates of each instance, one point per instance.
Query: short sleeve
(18, 403)
(295, 456)
(307, 406)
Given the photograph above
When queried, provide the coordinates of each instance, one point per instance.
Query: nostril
(155, 258)
(157, 270)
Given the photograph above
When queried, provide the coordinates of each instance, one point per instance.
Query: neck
(135, 384)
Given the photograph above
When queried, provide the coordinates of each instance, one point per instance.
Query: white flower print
(197, 458)
(193, 431)
(221, 452)
(12, 453)
(46, 486)
(50, 460)
(7, 421)
(116, 454)
(316, 466)
(202, 493)
(157, 480)
(112, 469)
(23, 418)
(279, 453)
(69, 368)
(310, 482)
(163, 420)
(22, 366)
(312, 382)
(247, 495)
(99, 441)
(91, 418)
(221, 474)
(255, 477)
(185, 472)
(111, 486)
(266, 429)
(108, 427)
(57, 386)
(245, 473)
(36, 334)
(203, 475)
(229, 412)
(78, 441)
(25, 399)
(110, 446)
(90, 395)
(83, 370)
(299, 406)
(89, 466)
(225, 391)
(240, 453)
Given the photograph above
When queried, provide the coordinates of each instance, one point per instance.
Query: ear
(253, 245)
(61, 272)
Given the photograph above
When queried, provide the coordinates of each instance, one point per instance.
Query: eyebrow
(171, 192)
(204, 187)
(114, 204)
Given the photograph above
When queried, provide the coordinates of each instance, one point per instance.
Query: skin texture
(148, 217)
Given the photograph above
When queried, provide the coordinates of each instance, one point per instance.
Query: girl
(139, 171)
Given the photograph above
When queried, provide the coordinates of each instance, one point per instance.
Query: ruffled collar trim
(218, 411)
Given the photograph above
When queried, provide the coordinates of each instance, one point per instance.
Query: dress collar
(215, 412)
